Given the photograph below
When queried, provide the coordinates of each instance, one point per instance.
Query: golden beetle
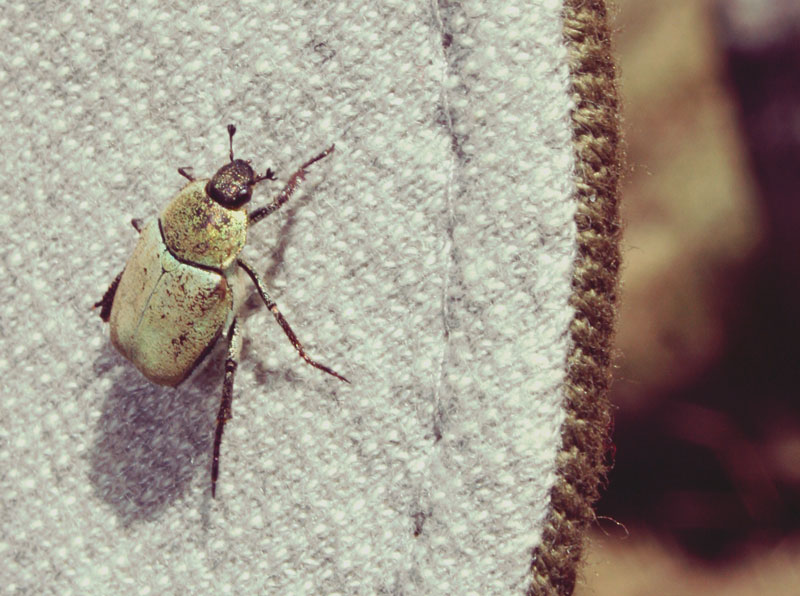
(184, 283)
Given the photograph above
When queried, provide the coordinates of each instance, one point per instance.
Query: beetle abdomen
(167, 314)
(199, 230)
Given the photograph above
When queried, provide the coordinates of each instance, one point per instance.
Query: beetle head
(232, 185)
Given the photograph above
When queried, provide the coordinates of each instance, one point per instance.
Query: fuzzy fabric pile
(428, 259)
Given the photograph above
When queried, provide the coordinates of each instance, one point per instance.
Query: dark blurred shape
(762, 43)
(715, 465)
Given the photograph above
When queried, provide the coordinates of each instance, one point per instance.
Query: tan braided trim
(581, 462)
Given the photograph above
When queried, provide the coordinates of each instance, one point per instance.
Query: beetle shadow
(276, 255)
(152, 441)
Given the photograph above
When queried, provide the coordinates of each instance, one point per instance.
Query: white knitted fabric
(428, 260)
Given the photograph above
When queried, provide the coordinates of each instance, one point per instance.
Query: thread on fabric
(581, 462)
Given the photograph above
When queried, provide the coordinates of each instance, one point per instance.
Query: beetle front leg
(107, 301)
(289, 189)
(225, 413)
(283, 322)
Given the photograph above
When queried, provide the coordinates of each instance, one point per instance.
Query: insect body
(185, 281)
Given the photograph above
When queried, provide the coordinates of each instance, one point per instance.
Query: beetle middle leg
(225, 413)
(107, 301)
(283, 322)
(289, 189)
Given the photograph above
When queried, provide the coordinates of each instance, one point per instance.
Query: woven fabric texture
(429, 259)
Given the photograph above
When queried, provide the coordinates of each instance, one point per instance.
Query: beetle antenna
(231, 132)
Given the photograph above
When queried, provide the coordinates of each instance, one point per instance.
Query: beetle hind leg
(283, 322)
(107, 301)
(225, 413)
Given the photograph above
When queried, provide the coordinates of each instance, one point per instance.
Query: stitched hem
(581, 462)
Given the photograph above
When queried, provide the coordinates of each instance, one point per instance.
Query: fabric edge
(581, 462)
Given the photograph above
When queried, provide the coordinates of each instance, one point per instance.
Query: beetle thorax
(200, 230)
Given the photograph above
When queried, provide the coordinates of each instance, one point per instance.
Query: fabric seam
(582, 459)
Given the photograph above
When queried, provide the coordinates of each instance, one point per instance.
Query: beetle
(182, 287)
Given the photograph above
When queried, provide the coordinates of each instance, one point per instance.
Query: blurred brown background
(704, 496)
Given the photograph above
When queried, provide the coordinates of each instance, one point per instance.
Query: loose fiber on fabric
(581, 462)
